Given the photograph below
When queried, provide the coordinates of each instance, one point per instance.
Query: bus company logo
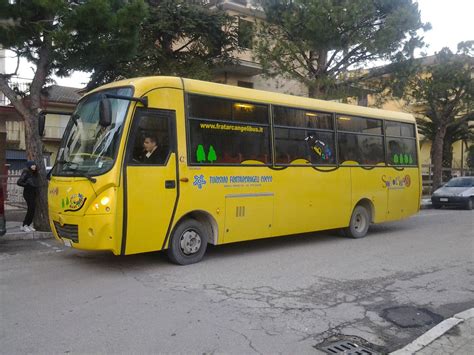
(199, 181)
(397, 182)
(74, 203)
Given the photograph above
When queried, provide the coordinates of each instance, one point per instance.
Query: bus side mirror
(105, 112)
(41, 123)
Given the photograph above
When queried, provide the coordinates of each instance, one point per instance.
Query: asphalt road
(286, 295)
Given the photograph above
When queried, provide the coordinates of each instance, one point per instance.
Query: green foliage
(178, 37)
(317, 42)
(74, 35)
(442, 95)
(442, 98)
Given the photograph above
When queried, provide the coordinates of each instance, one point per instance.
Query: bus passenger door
(150, 180)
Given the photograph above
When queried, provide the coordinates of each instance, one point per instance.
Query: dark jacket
(28, 180)
(158, 156)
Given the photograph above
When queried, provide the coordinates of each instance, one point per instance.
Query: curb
(27, 236)
(434, 333)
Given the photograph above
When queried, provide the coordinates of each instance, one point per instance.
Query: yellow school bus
(166, 163)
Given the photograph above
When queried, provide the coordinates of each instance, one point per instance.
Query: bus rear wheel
(359, 224)
(188, 243)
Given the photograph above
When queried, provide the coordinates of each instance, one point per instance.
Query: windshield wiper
(67, 164)
(90, 178)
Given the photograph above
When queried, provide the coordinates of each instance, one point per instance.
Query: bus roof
(144, 84)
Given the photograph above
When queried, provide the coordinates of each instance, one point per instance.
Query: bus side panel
(248, 217)
(369, 184)
(309, 200)
(393, 193)
(403, 192)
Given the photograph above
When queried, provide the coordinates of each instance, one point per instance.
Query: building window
(245, 33)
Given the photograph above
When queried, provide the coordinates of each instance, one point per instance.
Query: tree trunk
(437, 157)
(447, 157)
(34, 145)
(34, 151)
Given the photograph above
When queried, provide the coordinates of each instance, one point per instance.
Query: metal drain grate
(347, 348)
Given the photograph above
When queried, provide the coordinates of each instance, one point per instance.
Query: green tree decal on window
(400, 158)
(200, 154)
(395, 158)
(410, 161)
(212, 157)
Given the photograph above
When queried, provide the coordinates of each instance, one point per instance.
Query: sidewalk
(14, 233)
(13, 226)
(453, 336)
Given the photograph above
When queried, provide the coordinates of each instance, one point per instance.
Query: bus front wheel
(359, 224)
(188, 243)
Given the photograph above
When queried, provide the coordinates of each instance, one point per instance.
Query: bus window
(401, 151)
(228, 132)
(314, 147)
(210, 107)
(359, 124)
(363, 149)
(150, 139)
(228, 143)
(399, 129)
(214, 108)
(292, 117)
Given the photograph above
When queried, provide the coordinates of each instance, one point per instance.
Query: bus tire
(188, 243)
(359, 224)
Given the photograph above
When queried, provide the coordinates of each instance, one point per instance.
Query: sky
(451, 22)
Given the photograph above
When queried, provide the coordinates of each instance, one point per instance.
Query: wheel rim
(190, 242)
(359, 222)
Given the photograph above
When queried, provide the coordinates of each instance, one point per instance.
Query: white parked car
(457, 192)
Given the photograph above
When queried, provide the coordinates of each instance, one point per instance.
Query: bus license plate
(443, 199)
(67, 242)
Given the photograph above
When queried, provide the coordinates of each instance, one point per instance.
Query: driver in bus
(153, 154)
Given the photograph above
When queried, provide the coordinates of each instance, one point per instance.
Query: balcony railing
(20, 86)
(50, 132)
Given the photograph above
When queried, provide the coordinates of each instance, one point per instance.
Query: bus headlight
(103, 203)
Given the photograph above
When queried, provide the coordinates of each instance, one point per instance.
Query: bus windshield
(87, 147)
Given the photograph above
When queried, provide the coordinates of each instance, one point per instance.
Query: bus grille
(69, 231)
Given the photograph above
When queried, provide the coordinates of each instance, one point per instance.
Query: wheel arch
(369, 206)
(208, 222)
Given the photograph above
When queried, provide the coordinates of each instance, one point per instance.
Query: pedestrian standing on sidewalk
(29, 181)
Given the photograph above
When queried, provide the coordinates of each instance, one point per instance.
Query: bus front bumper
(88, 232)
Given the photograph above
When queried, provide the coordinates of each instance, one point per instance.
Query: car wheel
(470, 203)
(359, 224)
(188, 243)
(437, 206)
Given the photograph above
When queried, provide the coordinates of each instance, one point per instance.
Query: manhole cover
(347, 348)
(411, 317)
(349, 345)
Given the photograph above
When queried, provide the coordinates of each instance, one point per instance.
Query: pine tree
(320, 43)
